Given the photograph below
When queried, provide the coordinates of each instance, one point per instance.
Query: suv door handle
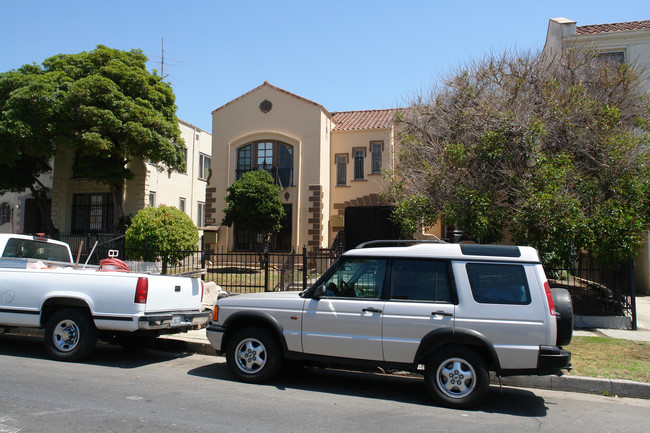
(442, 313)
(371, 310)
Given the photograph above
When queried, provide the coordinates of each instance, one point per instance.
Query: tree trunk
(117, 192)
(39, 192)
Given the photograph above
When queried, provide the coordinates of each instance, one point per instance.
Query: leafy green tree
(168, 233)
(253, 203)
(27, 134)
(104, 105)
(551, 150)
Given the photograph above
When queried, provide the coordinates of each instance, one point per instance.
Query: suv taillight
(141, 291)
(549, 298)
(202, 289)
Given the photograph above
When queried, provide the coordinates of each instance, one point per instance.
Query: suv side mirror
(320, 292)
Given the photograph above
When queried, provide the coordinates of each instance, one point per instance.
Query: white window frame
(205, 161)
(181, 203)
(200, 214)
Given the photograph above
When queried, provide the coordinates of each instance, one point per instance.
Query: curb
(587, 385)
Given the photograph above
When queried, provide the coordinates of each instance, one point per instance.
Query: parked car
(451, 312)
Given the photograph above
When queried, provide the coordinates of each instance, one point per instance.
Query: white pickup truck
(41, 287)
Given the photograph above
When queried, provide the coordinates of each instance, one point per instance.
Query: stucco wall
(293, 120)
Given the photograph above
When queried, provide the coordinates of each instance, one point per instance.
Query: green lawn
(610, 358)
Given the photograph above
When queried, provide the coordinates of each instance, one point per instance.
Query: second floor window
(341, 169)
(152, 199)
(204, 166)
(375, 152)
(275, 157)
(181, 204)
(359, 157)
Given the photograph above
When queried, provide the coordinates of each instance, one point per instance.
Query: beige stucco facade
(316, 137)
(149, 186)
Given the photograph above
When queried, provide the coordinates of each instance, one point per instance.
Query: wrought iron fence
(249, 271)
(96, 245)
(598, 290)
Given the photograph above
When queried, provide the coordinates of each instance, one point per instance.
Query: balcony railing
(281, 176)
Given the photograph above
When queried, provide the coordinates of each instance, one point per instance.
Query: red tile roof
(614, 27)
(366, 119)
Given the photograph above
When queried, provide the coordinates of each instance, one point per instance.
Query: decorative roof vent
(266, 106)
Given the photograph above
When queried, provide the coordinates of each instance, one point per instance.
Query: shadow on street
(106, 355)
(402, 389)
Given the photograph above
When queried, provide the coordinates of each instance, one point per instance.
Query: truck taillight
(549, 298)
(141, 291)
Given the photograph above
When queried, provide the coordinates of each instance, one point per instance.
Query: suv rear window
(498, 283)
(30, 249)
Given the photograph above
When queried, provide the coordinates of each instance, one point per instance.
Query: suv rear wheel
(253, 355)
(456, 377)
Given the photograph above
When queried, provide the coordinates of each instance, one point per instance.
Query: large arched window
(5, 213)
(275, 157)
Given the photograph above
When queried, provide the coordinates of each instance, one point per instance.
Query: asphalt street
(116, 390)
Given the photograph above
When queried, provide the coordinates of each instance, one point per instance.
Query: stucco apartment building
(621, 42)
(329, 165)
(81, 206)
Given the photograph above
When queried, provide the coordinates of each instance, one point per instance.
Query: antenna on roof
(163, 60)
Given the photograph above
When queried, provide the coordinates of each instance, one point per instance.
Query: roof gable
(267, 84)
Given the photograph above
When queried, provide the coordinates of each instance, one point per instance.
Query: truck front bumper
(180, 320)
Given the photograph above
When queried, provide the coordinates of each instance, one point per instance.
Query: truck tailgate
(167, 293)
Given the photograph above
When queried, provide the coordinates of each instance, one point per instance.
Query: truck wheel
(253, 355)
(70, 335)
(564, 315)
(456, 377)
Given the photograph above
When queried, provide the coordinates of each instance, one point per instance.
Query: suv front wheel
(456, 377)
(253, 355)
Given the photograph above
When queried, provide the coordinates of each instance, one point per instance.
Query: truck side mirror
(320, 292)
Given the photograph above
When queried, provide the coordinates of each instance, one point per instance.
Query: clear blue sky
(345, 55)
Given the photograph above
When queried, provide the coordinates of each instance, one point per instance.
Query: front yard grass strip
(610, 358)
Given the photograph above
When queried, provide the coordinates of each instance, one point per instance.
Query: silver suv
(451, 311)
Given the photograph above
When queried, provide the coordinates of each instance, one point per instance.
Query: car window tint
(498, 283)
(357, 278)
(26, 248)
(420, 280)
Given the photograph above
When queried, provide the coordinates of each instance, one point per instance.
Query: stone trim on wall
(210, 205)
(366, 200)
(315, 222)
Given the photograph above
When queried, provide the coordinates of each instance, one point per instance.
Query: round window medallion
(265, 106)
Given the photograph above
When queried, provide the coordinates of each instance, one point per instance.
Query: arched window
(275, 157)
(5, 213)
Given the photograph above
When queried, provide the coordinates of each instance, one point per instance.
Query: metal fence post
(266, 267)
(304, 267)
(633, 297)
(202, 257)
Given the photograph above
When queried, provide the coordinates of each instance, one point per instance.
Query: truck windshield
(32, 249)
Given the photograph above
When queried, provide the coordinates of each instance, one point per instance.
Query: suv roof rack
(399, 242)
